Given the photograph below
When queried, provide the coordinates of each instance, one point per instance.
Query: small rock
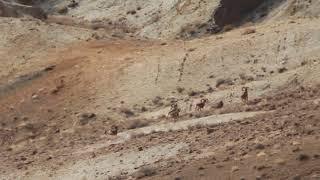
(303, 157)
(295, 143)
(49, 68)
(296, 149)
(249, 31)
(73, 4)
(220, 105)
(280, 161)
(35, 96)
(34, 152)
(259, 146)
(86, 117)
(260, 167)
(234, 168)
(210, 90)
(261, 154)
(54, 90)
(23, 158)
(219, 166)
(209, 130)
(226, 159)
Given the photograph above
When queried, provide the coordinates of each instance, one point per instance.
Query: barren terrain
(67, 80)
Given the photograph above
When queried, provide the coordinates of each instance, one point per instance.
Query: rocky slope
(181, 18)
(65, 85)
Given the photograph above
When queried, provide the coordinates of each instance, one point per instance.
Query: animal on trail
(201, 104)
(174, 111)
(245, 95)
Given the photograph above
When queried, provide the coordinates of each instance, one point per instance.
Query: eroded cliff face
(160, 18)
(230, 12)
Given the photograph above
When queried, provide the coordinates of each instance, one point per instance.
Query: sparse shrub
(85, 118)
(132, 12)
(137, 123)
(282, 70)
(180, 89)
(193, 93)
(143, 109)
(96, 36)
(249, 31)
(245, 77)
(226, 81)
(157, 100)
(162, 116)
(127, 112)
(304, 62)
(210, 90)
(211, 76)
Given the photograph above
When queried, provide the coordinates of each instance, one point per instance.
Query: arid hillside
(177, 89)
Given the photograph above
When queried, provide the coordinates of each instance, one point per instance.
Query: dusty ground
(62, 87)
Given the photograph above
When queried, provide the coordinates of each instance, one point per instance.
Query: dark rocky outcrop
(230, 11)
(10, 9)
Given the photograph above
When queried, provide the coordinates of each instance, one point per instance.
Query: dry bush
(249, 31)
(144, 109)
(210, 89)
(97, 25)
(227, 81)
(180, 89)
(245, 77)
(282, 70)
(132, 12)
(157, 101)
(137, 123)
(193, 93)
(6, 137)
(127, 112)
